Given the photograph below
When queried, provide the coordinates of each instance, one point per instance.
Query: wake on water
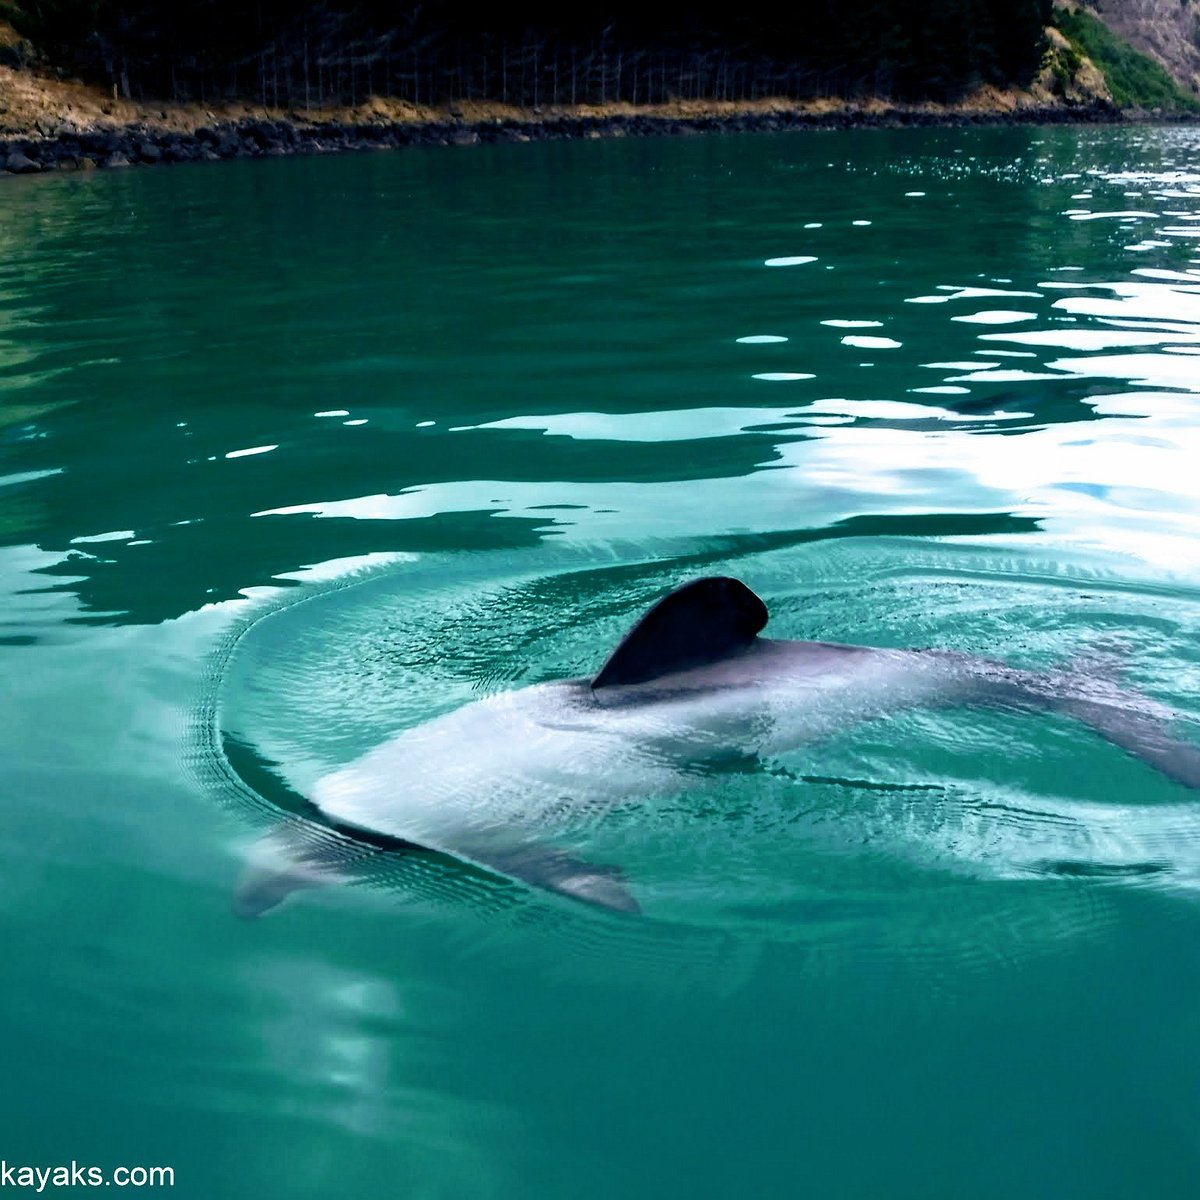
(863, 845)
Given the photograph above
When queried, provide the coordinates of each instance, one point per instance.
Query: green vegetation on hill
(313, 52)
(1135, 80)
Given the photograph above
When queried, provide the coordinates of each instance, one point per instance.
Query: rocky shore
(144, 145)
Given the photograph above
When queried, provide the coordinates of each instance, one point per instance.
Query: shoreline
(194, 134)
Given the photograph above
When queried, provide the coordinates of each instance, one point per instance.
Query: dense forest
(300, 55)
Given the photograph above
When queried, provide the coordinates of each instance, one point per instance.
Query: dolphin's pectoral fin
(557, 871)
(701, 622)
(293, 857)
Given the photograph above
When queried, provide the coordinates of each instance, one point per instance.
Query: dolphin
(692, 684)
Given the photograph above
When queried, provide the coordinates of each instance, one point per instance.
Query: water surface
(298, 453)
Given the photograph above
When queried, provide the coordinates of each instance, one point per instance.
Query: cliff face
(1167, 30)
(1067, 76)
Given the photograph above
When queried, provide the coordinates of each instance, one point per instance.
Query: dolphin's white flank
(692, 680)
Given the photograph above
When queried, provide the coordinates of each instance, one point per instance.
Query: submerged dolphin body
(691, 682)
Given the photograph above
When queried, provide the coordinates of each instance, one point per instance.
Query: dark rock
(21, 164)
(261, 135)
(99, 143)
(67, 148)
(254, 135)
(17, 56)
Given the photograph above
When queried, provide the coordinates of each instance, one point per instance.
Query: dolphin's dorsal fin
(697, 623)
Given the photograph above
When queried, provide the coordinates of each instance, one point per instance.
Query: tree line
(304, 56)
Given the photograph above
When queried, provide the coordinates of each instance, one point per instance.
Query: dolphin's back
(691, 682)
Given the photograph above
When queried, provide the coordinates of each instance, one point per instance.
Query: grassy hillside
(1135, 80)
(1166, 30)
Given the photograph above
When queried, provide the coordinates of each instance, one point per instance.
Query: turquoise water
(295, 454)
